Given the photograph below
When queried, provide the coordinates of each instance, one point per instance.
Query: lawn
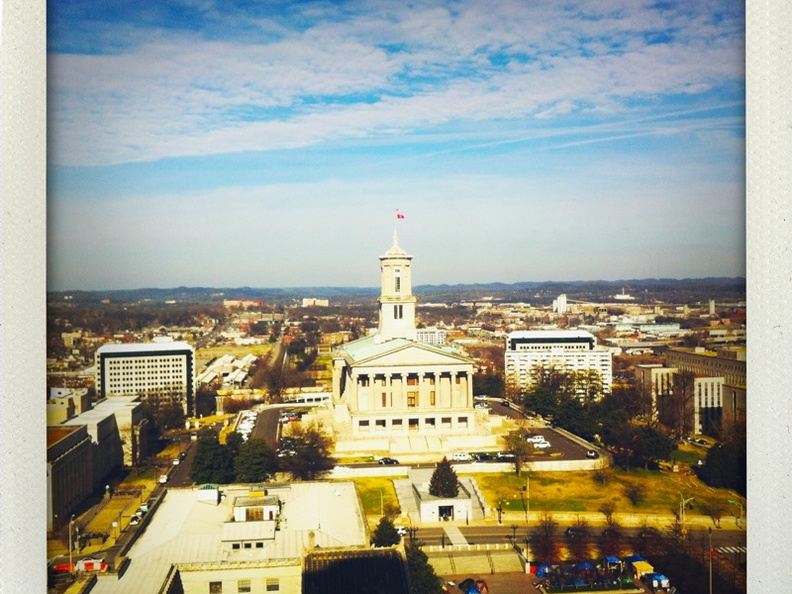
(580, 492)
(377, 495)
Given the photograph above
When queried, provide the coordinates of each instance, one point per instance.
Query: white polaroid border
(23, 485)
(23, 294)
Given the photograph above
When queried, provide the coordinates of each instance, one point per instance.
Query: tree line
(307, 457)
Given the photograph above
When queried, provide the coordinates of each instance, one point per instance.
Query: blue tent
(585, 566)
(544, 570)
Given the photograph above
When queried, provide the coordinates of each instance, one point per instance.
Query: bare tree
(715, 511)
(516, 444)
(635, 492)
(607, 509)
(678, 415)
(546, 527)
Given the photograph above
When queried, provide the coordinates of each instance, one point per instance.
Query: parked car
(649, 532)
(505, 456)
(461, 457)
(542, 445)
(592, 454)
(387, 461)
(163, 479)
(176, 461)
(611, 534)
(481, 405)
(576, 532)
(134, 520)
(482, 457)
(401, 530)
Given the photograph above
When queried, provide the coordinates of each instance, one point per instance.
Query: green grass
(687, 454)
(376, 494)
(578, 492)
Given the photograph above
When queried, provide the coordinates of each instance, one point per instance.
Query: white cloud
(184, 96)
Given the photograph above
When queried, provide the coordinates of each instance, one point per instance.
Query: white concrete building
(162, 370)
(432, 335)
(564, 350)
(394, 393)
(239, 538)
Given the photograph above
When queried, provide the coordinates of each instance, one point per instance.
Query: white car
(401, 530)
(535, 439)
(542, 445)
(461, 457)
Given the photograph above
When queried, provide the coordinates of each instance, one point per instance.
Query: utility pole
(682, 505)
(711, 552)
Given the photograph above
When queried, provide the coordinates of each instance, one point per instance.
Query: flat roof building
(161, 370)
(246, 539)
(567, 351)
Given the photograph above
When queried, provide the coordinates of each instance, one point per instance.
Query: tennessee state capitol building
(395, 394)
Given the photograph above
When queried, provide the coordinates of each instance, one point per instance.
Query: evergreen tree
(385, 534)
(213, 462)
(444, 481)
(234, 441)
(423, 579)
(255, 462)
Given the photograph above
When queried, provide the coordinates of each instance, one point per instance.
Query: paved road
(504, 533)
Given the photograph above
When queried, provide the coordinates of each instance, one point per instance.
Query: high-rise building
(565, 351)
(164, 371)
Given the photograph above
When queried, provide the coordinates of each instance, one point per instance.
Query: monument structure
(393, 394)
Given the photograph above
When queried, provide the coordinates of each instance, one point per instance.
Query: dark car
(576, 532)
(482, 456)
(611, 534)
(648, 533)
(388, 461)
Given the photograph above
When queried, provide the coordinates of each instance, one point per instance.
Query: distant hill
(688, 290)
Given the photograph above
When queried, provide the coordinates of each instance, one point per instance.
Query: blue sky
(268, 144)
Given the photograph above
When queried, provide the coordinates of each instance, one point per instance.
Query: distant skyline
(228, 144)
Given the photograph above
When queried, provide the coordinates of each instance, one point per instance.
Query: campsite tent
(544, 570)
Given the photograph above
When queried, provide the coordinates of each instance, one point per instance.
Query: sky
(229, 143)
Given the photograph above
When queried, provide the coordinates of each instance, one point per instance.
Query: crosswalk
(732, 550)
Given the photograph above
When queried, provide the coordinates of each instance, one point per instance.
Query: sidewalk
(595, 519)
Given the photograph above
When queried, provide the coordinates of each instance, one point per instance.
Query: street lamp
(500, 511)
(682, 505)
(514, 533)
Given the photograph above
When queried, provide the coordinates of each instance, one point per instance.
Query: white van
(461, 457)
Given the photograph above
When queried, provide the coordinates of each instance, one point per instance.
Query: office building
(164, 371)
(566, 351)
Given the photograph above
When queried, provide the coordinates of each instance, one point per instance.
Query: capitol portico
(393, 394)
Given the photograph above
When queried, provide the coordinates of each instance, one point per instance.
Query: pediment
(414, 354)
